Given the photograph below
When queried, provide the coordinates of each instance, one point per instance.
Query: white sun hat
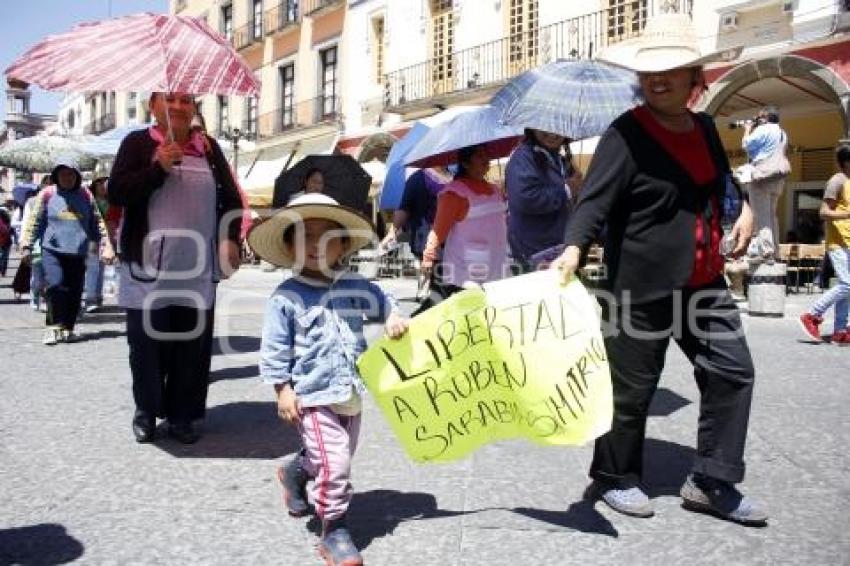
(266, 239)
(669, 41)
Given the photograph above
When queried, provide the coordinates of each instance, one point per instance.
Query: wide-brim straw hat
(266, 239)
(669, 41)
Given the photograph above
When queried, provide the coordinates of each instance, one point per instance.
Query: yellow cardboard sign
(523, 358)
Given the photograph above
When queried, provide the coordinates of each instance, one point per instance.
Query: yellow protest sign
(523, 358)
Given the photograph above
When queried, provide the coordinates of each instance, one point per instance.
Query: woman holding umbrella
(470, 224)
(180, 235)
(657, 180)
(541, 185)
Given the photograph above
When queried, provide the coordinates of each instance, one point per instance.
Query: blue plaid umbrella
(576, 99)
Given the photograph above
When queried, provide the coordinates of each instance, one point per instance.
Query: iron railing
(248, 34)
(319, 110)
(281, 16)
(310, 6)
(100, 124)
(497, 61)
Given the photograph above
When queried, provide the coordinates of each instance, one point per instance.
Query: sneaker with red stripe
(809, 323)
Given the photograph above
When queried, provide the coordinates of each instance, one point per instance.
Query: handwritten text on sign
(523, 359)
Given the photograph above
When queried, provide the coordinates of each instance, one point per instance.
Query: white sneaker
(52, 335)
(67, 336)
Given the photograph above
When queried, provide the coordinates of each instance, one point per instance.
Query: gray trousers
(764, 199)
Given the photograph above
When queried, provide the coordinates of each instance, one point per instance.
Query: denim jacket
(313, 335)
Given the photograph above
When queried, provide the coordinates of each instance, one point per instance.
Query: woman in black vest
(657, 183)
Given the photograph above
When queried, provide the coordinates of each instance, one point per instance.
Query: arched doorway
(814, 106)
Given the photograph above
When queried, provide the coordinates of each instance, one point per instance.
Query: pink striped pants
(329, 441)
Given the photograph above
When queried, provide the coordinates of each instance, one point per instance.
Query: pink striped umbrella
(147, 52)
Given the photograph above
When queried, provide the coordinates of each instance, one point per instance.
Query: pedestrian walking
(180, 234)
(470, 225)
(312, 336)
(36, 277)
(415, 214)
(94, 264)
(6, 239)
(657, 183)
(63, 222)
(835, 211)
(541, 184)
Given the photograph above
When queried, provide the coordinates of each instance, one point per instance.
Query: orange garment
(451, 209)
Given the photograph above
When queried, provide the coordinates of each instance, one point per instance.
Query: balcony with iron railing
(301, 114)
(311, 7)
(282, 16)
(247, 35)
(100, 124)
(489, 65)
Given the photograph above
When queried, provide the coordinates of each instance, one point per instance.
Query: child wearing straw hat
(312, 335)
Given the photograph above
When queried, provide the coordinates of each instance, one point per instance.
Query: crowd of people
(655, 194)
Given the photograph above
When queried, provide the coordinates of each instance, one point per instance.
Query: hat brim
(266, 238)
(632, 58)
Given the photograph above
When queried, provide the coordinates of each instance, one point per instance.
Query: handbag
(773, 166)
(21, 281)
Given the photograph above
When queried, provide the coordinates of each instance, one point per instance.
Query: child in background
(312, 336)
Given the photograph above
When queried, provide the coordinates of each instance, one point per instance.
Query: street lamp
(233, 135)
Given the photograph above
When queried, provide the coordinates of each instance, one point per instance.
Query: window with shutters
(378, 47)
(223, 114)
(250, 126)
(626, 18)
(258, 19)
(287, 91)
(227, 22)
(329, 80)
(523, 34)
(442, 45)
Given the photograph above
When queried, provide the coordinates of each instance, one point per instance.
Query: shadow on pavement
(36, 545)
(376, 514)
(238, 372)
(665, 466)
(248, 429)
(581, 516)
(99, 335)
(666, 402)
(235, 345)
(103, 318)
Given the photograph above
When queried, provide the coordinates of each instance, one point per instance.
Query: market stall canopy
(42, 152)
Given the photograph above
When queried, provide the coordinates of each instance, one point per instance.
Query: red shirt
(690, 150)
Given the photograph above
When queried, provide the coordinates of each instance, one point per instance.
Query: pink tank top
(476, 247)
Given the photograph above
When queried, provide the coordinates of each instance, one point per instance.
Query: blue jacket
(64, 220)
(313, 335)
(538, 204)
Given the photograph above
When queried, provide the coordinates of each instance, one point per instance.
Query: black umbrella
(345, 181)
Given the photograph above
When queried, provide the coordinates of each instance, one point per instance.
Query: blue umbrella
(575, 99)
(24, 191)
(481, 126)
(393, 188)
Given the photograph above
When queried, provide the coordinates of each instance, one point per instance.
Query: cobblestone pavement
(74, 486)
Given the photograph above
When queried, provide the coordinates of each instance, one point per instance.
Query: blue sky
(25, 22)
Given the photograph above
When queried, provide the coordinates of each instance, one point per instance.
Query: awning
(257, 176)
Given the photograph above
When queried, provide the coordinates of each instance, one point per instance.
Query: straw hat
(669, 41)
(266, 239)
